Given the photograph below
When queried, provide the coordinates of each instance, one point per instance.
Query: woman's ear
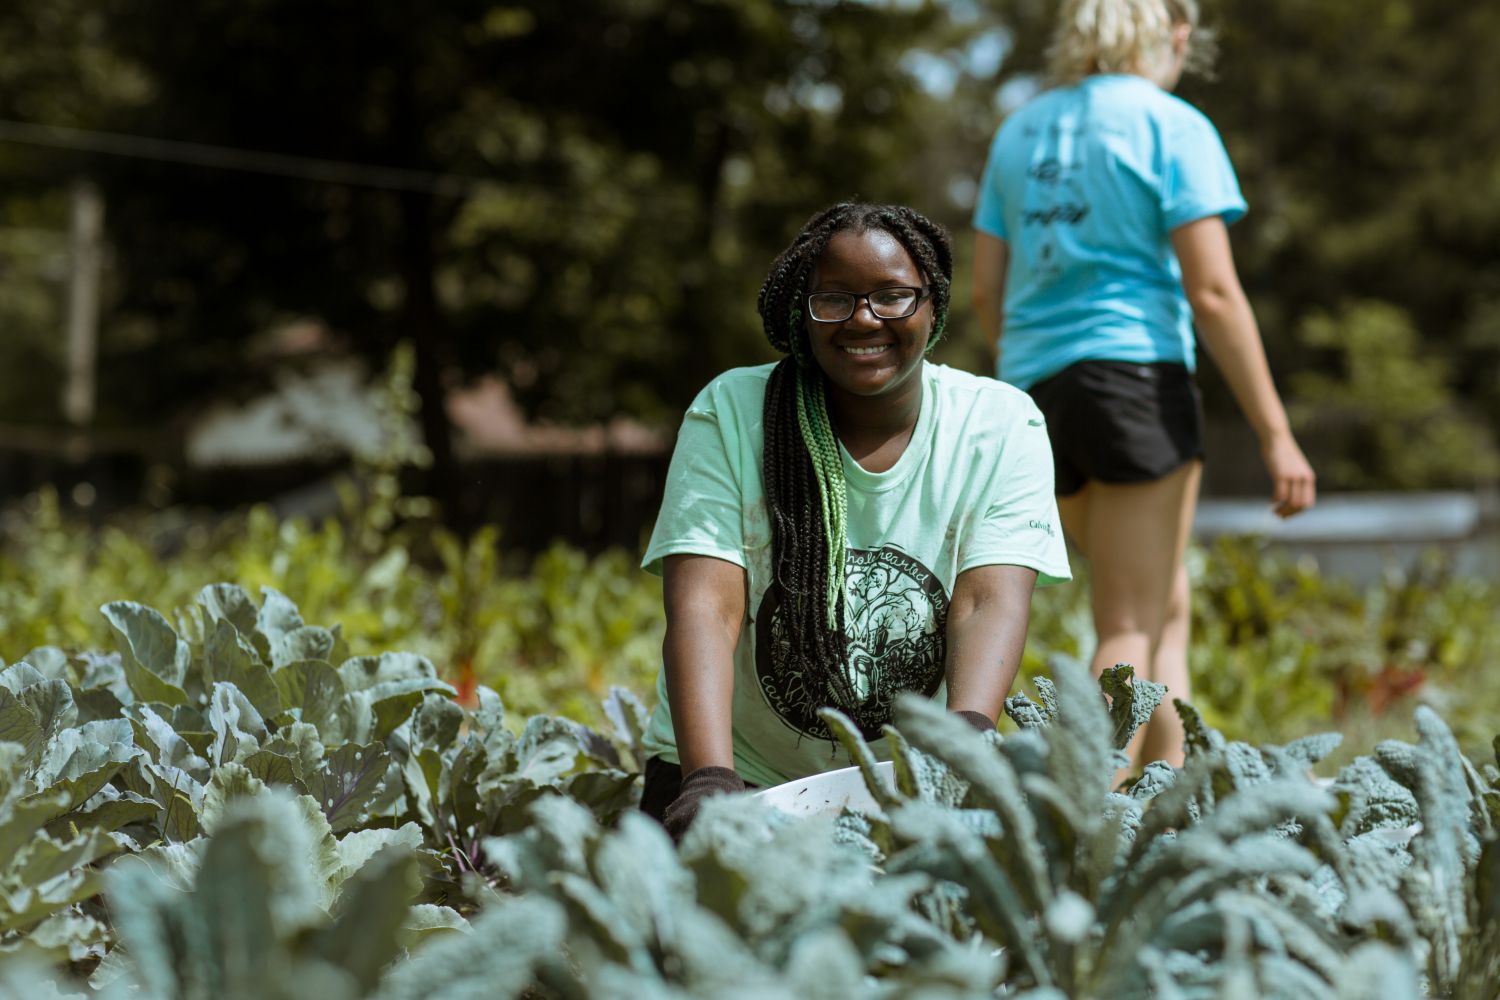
(1181, 32)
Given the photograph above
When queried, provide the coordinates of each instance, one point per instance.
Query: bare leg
(1161, 738)
(1134, 536)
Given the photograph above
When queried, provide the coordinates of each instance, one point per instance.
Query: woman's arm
(991, 259)
(705, 604)
(986, 636)
(1227, 326)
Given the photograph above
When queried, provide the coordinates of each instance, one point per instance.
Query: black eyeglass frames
(895, 302)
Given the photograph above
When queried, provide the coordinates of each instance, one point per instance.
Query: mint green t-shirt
(973, 488)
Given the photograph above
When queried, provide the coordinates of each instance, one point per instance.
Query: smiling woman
(844, 526)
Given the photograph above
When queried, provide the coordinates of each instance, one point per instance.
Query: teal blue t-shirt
(973, 488)
(1085, 183)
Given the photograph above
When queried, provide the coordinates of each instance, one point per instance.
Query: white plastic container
(826, 794)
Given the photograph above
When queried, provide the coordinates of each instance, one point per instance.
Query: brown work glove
(978, 720)
(696, 787)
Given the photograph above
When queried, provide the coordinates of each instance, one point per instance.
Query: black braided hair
(804, 487)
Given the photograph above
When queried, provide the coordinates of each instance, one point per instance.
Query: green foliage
(1280, 651)
(1387, 417)
(554, 639)
(1009, 866)
(292, 818)
(156, 748)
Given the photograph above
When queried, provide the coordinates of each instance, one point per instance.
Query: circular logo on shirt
(895, 631)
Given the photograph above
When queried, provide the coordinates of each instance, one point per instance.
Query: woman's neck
(875, 430)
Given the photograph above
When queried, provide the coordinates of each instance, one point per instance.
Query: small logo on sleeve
(1041, 526)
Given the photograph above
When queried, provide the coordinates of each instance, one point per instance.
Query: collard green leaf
(390, 712)
(230, 782)
(19, 676)
(606, 793)
(628, 717)
(229, 658)
(300, 744)
(489, 714)
(229, 603)
(109, 810)
(65, 937)
(49, 661)
(104, 670)
(162, 741)
(511, 939)
(358, 847)
(547, 750)
(371, 913)
(179, 798)
(156, 660)
(252, 889)
(45, 858)
(437, 722)
(306, 643)
(422, 771)
(275, 769)
(237, 727)
(278, 615)
(390, 673)
(19, 725)
(20, 823)
(314, 689)
(98, 703)
(347, 781)
(52, 703)
(79, 761)
(425, 920)
(393, 684)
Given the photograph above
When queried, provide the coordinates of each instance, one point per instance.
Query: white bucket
(829, 793)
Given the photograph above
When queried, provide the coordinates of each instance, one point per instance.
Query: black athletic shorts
(1120, 421)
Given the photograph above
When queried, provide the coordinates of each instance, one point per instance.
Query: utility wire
(252, 161)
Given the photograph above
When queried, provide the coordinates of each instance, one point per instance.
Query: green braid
(828, 465)
(802, 455)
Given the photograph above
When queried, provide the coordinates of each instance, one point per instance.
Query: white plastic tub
(829, 793)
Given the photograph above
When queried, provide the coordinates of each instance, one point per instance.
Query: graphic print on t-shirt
(894, 622)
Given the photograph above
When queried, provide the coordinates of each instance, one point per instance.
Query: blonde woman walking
(1101, 245)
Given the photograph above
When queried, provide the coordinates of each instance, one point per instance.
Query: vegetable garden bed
(232, 806)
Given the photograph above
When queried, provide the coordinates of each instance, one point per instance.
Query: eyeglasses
(896, 302)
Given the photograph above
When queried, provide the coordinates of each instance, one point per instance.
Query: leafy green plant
(551, 640)
(149, 750)
(1010, 866)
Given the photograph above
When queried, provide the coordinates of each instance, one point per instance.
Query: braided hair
(804, 473)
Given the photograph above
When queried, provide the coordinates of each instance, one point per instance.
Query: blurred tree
(592, 189)
(1365, 142)
(1387, 418)
(59, 65)
(598, 186)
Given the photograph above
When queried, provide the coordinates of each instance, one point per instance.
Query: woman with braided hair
(1101, 244)
(842, 526)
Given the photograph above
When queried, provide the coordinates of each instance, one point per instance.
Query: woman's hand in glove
(696, 787)
(978, 720)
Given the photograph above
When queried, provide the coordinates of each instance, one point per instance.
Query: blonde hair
(1123, 36)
